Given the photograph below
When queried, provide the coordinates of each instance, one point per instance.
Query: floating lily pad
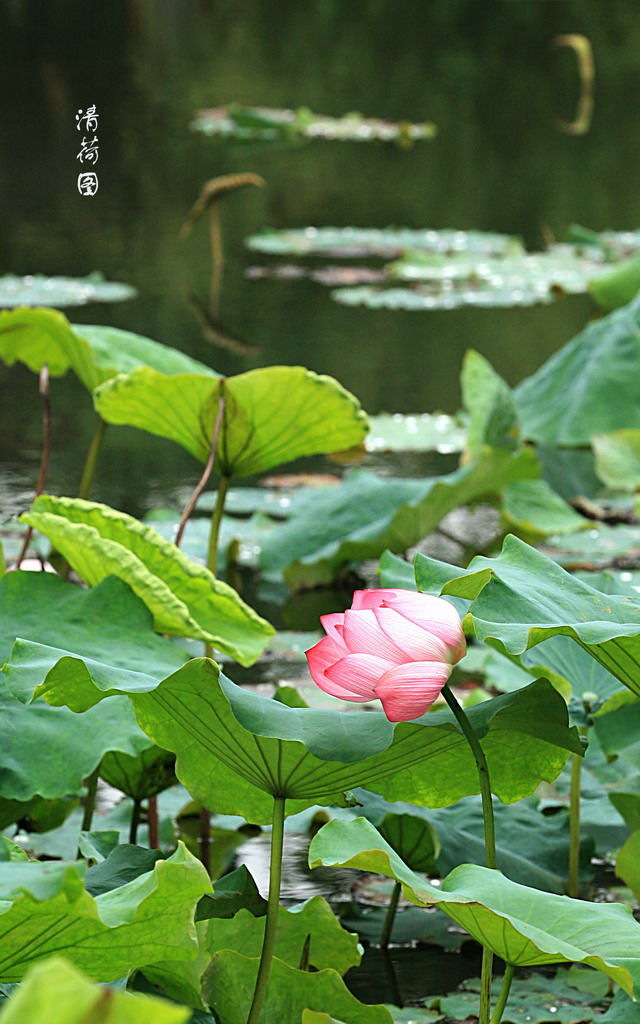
(273, 123)
(535, 999)
(422, 432)
(598, 547)
(60, 292)
(383, 242)
(516, 281)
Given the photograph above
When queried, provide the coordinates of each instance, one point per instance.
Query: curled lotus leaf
(271, 415)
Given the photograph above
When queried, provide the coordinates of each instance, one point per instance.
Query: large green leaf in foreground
(147, 920)
(184, 597)
(367, 514)
(230, 979)
(271, 415)
(524, 926)
(521, 598)
(39, 336)
(590, 386)
(108, 622)
(313, 756)
(55, 992)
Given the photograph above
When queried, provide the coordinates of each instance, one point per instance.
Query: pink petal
(333, 624)
(365, 599)
(321, 657)
(358, 673)
(417, 642)
(363, 635)
(408, 691)
(432, 613)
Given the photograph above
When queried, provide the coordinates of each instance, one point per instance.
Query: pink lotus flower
(394, 645)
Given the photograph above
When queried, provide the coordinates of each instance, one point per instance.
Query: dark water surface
(483, 70)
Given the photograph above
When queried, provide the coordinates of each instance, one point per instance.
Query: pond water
(483, 70)
(485, 73)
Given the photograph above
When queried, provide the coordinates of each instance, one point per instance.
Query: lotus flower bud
(394, 645)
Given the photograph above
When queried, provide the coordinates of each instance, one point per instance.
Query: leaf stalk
(270, 931)
(489, 835)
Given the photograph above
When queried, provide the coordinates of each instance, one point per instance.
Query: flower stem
(135, 821)
(391, 916)
(489, 835)
(153, 822)
(574, 824)
(91, 461)
(504, 993)
(483, 774)
(43, 388)
(269, 942)
(216, 519)
(202, 482)
(90, 799)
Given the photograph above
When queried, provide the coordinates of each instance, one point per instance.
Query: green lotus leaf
(271, 415)
(42, 881)
(493, 419)
(54, 992)
(311, 925)
(628, 863)
(120, 866)
(106, 622)
(618, 287)
(572, 671)
(313, 756)
(139, 777)
(524, 926)
(532, 509)
(149, 919)
(459, 836)
(39, 336)
(367, 514)
(10, 851)
(522, 597)
(229, 981)
(184, 597)
(233, 892)
(618, 458)
(570, 397)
